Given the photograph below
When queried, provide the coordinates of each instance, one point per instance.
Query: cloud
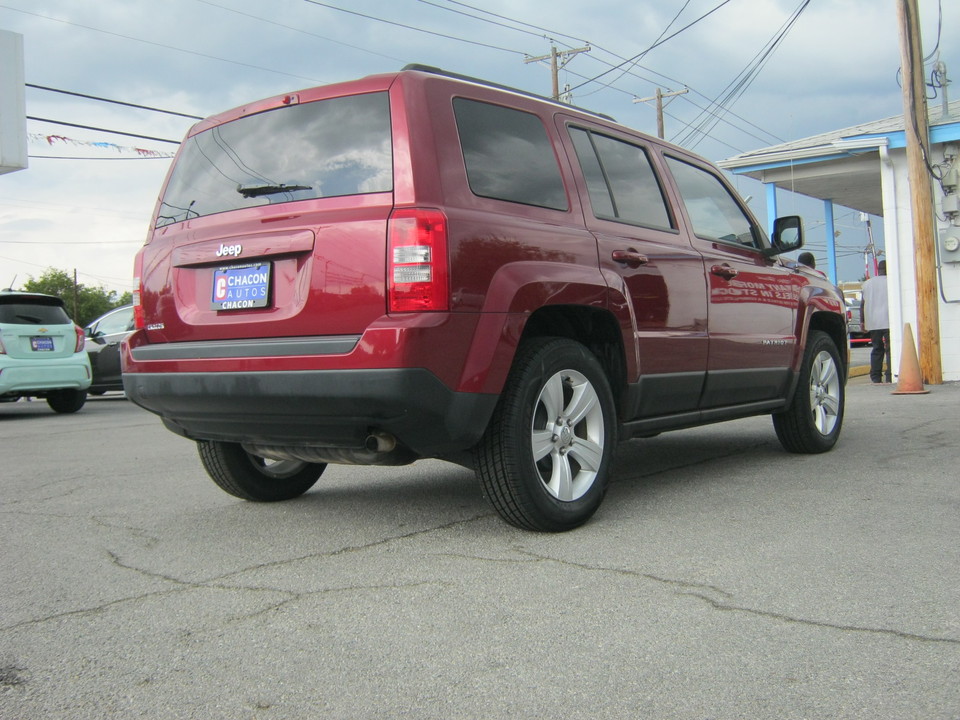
(836, 67)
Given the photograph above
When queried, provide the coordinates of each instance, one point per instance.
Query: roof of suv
(487, 83)
(379, 81)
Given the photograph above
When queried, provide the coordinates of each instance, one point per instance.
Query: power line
(99, 129)
(101, 278)
(630, 61)
(258, 18)
(114, 102)
(551, 33)
(161, 45)
(742, 81)
(91, 157)
(412, 27)
(687, 98)
(73, 242)
(654, 45)
(482, 19)
(659, 37)
(936, 46)
(546, 30)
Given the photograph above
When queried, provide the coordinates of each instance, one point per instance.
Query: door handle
(724, 271)
(630, 258)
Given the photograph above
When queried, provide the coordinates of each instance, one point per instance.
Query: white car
(41, 352)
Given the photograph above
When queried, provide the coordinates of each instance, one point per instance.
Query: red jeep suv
(421, 264)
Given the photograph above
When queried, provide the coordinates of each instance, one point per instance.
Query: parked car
(854, 327)
(422, 265)
(41, 352)
(103, 337)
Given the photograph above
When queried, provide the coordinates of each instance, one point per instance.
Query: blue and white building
(865, 168)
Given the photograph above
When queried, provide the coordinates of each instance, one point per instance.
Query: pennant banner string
(60, 139)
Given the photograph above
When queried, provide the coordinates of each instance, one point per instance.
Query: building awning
(843, 165)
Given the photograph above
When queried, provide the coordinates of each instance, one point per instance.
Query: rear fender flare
(516, 292)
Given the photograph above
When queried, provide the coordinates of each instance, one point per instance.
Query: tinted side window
(508, 155)
(340, 146)
(621, 180)
(713, 211)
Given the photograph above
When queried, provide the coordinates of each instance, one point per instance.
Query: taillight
(139, 321)
(417, 275)
(81, 339)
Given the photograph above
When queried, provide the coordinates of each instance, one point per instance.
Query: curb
(858, 370)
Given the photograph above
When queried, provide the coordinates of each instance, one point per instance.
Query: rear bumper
(316, 408)
(39, 377)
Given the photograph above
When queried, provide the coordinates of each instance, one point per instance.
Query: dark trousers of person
(880, 341)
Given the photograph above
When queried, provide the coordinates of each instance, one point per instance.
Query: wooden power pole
(921, 192)
(659, 96)
(558, 59)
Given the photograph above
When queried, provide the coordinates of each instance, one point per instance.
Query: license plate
(41, 343)
(240, 287)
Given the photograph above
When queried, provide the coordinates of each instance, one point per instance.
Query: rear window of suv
(326, 148)
(18, 310)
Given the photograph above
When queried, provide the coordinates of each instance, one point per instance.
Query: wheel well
(834, 326)
(597, 329)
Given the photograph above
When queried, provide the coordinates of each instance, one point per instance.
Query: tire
(544, 460)
(254, 478)
(66, 401)
(812, 422)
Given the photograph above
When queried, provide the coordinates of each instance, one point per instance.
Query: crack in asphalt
(725, 606)
(714, 596)
(684, 584)
(823, 624)
(217, 582)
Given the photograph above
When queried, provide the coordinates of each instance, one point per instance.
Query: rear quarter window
(326, 148)
(508, 155)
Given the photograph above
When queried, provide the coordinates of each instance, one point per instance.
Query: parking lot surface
(721, 578)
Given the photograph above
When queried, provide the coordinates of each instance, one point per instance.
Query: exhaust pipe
(380, 442)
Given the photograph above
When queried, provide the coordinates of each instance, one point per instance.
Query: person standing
(875, 319)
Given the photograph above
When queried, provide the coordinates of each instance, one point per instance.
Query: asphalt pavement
(721, 579)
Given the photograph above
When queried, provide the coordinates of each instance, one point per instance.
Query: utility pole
(660, 95)
(76, 298)
(558, 60)
(921, 192)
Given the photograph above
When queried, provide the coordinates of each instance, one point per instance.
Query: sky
(84, 204)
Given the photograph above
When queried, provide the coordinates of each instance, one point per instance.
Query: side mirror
(787, 235)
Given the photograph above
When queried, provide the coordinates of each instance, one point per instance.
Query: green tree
(83, 303)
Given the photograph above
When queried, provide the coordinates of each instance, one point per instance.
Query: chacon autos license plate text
(240, 287)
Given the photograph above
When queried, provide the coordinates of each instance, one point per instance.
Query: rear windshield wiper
(251, 191)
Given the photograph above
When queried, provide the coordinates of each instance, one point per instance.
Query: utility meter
(950, 242)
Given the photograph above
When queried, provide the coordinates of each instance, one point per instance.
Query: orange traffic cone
(910, 381)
